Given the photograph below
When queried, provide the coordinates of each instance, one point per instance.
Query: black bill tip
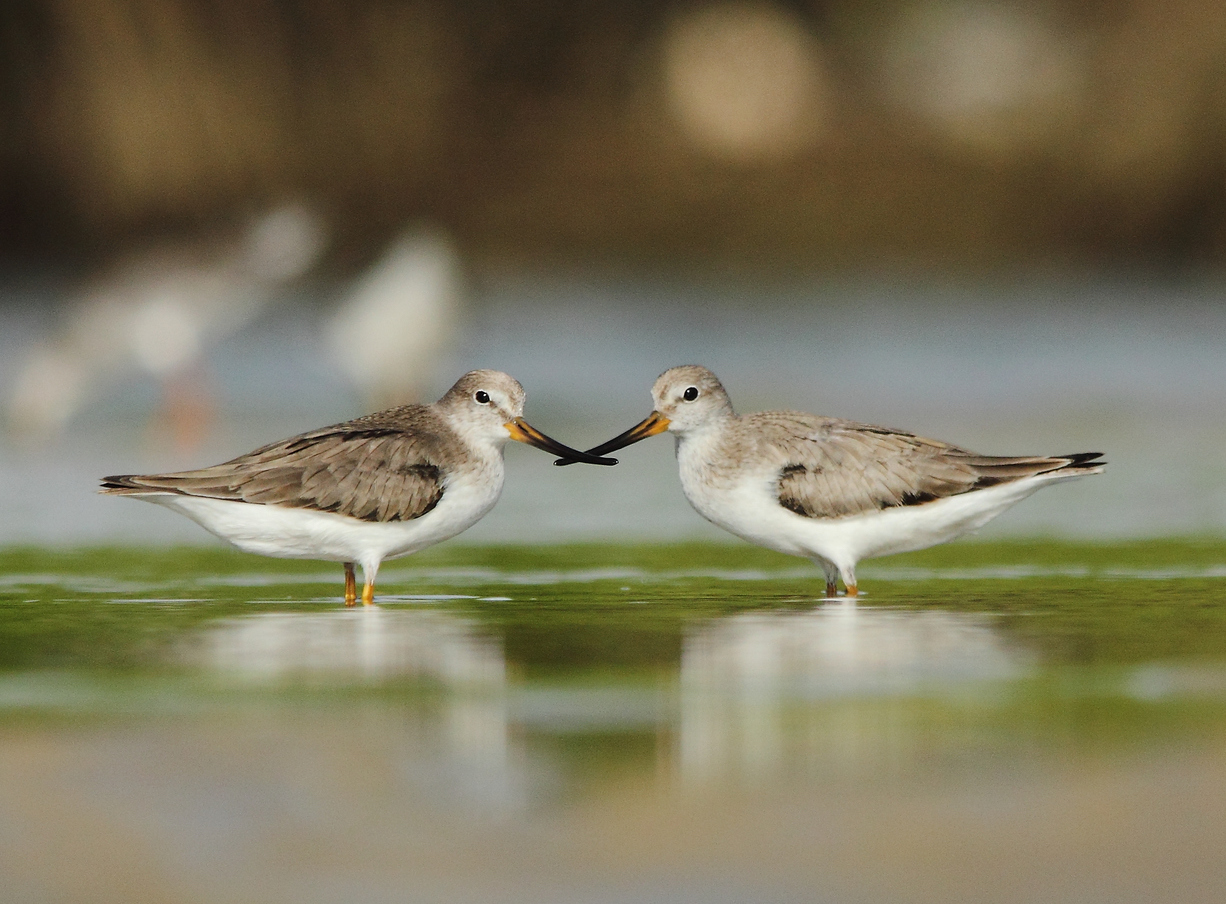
(523, 432)
(651, 425)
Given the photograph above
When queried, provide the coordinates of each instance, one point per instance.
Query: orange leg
(853, 590)
(351, 586)
(368, 594)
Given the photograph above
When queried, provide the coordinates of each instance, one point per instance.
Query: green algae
(602, 663)
(594, 608)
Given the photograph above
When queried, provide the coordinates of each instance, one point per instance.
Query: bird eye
(482, 397)
(690, 394)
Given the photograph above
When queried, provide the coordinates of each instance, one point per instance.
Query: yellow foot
(368, 594)
(351, 586)
(853, 590)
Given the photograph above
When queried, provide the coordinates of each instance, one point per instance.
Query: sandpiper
(374, 488)
(831, 490)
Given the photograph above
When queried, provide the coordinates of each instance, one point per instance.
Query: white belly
(750, 509)
(296, 533)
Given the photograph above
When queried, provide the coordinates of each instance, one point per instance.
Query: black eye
(482, 397)
(690, 394)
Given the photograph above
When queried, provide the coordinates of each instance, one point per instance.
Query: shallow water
(1006, 722)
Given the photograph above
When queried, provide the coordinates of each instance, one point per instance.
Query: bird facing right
(831, 490)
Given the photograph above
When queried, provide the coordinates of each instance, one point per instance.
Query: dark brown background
(544, 131)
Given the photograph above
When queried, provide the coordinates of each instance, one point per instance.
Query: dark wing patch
(792, 496)
(919, 498)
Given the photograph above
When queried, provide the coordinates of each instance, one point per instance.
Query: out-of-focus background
(1001, 224)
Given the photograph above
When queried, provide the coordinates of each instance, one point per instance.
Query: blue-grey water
(1134, 368)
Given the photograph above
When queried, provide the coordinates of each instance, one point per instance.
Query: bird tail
(994, 470)
(124, 485)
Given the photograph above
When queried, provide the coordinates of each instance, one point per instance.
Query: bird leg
(368, 594)
(853, 590)
(832, 576)
(351, 586)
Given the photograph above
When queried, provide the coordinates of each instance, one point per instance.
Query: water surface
(1006, 722)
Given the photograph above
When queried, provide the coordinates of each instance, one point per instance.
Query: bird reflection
(374, 644)
(456, 744)
(763, 691)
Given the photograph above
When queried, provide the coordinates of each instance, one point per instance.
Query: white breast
(740, 496)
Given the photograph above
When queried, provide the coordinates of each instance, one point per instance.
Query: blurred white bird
(157, 312)
(389, 334)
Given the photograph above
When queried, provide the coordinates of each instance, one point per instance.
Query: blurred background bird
(398, 319)
(157, 311)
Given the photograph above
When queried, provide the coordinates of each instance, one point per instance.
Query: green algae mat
(691, 722)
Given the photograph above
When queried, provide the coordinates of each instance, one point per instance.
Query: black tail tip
(1084, 460)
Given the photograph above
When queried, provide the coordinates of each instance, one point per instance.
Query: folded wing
(836, 468)
(373, 474)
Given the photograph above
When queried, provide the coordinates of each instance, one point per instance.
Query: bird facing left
(363, 491)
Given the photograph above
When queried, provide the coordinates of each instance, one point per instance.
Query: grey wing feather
(373, 475)
(834, 468)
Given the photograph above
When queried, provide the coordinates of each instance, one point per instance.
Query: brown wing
(371, 473)
(835, 468)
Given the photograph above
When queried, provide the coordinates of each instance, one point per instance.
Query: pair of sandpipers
(391, 483)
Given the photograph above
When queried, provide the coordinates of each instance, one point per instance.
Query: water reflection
(858, 753)
(369, 643)
(453, 746)
(761, 692)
